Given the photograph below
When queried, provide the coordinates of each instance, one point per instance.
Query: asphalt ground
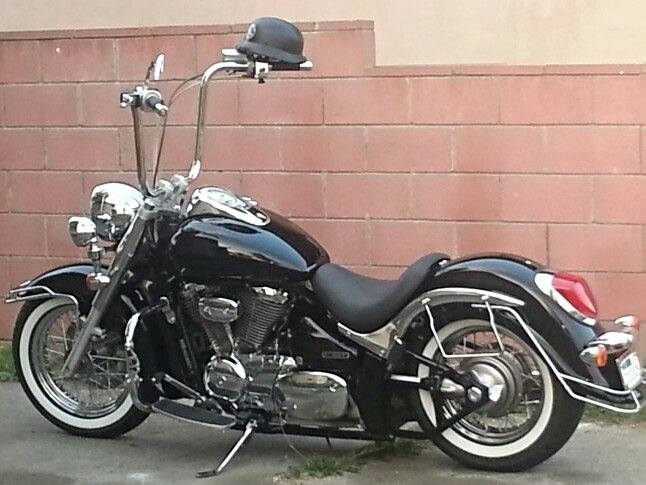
(163, 451)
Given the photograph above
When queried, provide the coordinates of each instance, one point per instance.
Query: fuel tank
(248, 243)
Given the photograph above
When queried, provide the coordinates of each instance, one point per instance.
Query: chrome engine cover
(225, 378)
(273, 384)
(311, 395)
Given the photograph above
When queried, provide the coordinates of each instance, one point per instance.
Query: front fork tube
(104, 296)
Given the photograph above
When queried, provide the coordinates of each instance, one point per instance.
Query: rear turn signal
(629, 321)
(602, 356)
(577, 292)
(595, 355)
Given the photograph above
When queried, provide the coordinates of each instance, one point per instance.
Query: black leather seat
(366, 304)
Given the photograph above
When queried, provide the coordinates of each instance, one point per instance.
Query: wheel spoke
(515, 413)
(99, 385)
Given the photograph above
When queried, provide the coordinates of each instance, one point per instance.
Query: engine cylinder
(217, 332)
(262, 308)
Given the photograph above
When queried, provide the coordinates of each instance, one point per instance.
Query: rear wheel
(94, 402)
(533, 417)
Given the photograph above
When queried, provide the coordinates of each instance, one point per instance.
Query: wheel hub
(501, 374)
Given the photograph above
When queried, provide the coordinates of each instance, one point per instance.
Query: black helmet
(273, 40)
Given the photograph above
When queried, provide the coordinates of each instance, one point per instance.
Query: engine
(241, 368)
(256, 311)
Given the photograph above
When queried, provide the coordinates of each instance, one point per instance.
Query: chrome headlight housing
(113, 206)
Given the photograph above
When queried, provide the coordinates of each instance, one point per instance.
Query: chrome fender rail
(565, 379)
(38, 292)
(382, 341)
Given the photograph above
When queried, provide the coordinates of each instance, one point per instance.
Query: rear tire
(553, 425)
(114, 422)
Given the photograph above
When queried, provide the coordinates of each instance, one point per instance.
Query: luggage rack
(492, 323)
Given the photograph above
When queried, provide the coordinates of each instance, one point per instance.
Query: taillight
(575, 290)
(571, 292)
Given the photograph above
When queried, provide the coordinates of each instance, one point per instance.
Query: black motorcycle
(219, 312)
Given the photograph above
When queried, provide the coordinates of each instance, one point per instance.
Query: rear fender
(505, 285)
(563, 336)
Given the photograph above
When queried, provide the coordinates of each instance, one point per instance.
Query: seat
(365, 304)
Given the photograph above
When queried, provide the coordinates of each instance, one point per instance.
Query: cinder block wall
(383, 164)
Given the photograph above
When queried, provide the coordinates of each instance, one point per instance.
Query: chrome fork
(104, 296)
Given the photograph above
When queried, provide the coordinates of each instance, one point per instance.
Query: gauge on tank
(218, 201)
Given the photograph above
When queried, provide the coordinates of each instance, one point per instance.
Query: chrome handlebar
(149, 99)
(233, 61)
(230, 66)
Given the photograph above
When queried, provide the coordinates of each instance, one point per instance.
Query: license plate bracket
(630, 370)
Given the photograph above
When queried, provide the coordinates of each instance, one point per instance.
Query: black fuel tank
(207, 248)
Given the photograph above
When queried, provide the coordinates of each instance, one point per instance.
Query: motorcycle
(219, 312)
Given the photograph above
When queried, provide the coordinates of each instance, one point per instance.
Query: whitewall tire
(552, 426)
(122, 417)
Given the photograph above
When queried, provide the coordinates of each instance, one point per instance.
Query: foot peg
(248, 431)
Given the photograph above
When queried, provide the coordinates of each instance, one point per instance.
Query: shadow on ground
(162, 451)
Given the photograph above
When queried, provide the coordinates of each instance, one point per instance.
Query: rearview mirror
(155, 69)
(195, 170)
(158, 67)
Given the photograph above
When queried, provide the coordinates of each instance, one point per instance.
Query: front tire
(59, 402)
(542, 436)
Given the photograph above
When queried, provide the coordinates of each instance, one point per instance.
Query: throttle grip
(153, 101)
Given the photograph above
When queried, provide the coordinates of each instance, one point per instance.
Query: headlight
(112, 209)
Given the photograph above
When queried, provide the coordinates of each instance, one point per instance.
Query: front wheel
(93, 403)
(534, 416)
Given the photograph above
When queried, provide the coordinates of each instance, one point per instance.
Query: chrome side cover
(312, 395)
(219, 201)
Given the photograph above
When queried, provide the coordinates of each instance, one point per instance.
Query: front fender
(70, 279)
(562, 336)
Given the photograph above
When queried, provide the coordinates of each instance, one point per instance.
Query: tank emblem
(332, 354)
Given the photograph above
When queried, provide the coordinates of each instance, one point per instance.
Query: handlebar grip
(155, 103)
(285, 66)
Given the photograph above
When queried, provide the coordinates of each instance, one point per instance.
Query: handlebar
(148, 99)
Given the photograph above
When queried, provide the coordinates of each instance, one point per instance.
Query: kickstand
(248, 431)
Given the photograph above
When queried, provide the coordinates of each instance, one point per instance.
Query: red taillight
(577, 292)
